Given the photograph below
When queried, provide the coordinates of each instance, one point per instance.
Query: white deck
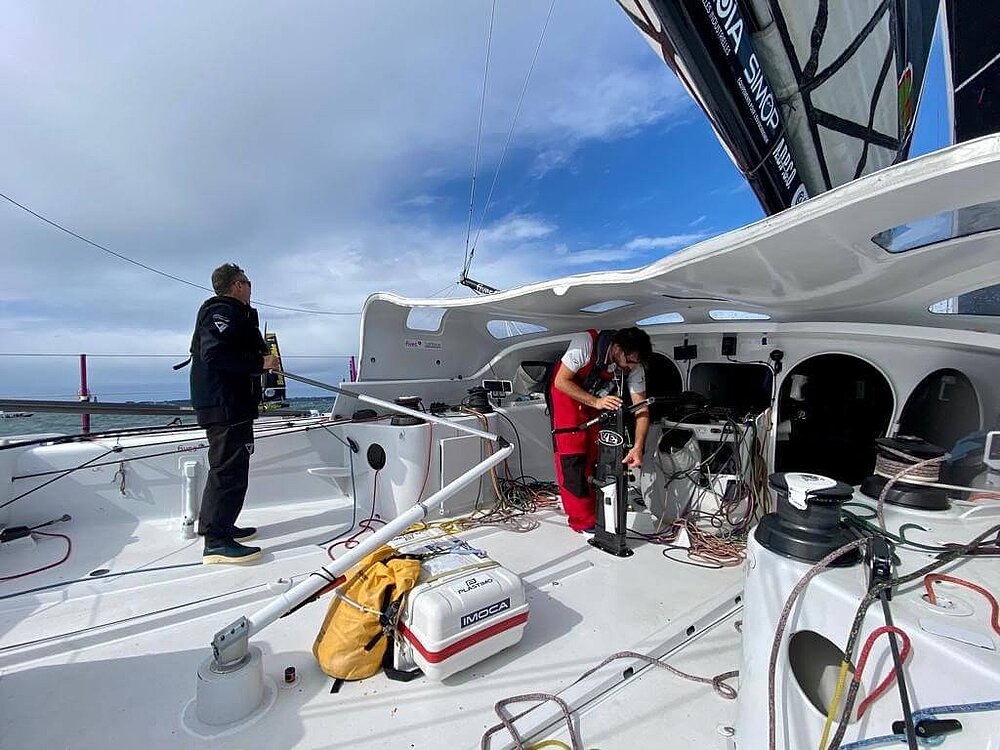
(115, 658)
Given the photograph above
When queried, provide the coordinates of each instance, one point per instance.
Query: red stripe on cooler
(471, 640)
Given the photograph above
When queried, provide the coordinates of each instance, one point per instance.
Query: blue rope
(961, 708)
(925, 713)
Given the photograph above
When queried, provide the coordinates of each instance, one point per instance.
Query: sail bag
(362, 618)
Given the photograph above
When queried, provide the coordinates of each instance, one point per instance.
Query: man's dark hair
(633, 341)
(224, 276)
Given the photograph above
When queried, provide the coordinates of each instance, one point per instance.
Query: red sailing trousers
(575, 455)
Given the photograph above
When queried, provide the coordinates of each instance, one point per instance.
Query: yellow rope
(834, 704)
(550, 743)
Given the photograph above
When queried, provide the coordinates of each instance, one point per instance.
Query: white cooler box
(465, 608)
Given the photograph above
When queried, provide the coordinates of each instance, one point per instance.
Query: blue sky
(327, 147)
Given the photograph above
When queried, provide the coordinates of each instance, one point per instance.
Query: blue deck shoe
(237, 533)
(229, 553)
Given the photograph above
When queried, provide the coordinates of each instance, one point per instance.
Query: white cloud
(600, 256)
(318, 145)
(421, 201)
(670, 242)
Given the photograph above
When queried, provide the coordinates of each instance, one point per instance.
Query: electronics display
(713, 432)
(991, 454)
(498, 386)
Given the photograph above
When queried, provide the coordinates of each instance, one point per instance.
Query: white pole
(312, 584)
(426, 416)
(191, 503)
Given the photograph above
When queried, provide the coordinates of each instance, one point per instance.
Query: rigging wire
(510, 135)
(157, 271)
(479, 137)
(444, 289)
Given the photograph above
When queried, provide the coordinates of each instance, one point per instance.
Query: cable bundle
(717, 538)
(517, 497)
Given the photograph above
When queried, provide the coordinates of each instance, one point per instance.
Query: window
(736, 315)
(985, 301)
(425, 318)
(655, 320)
(600, 307)
(505, 329)
(947, 225)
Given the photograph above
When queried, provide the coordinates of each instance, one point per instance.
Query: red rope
(69, 549)
(932, 598)
(862, 660)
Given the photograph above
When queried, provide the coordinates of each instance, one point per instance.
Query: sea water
(69, 424)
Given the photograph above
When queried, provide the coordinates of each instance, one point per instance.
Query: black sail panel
(713, 55)
(974, 66)
(804, 94)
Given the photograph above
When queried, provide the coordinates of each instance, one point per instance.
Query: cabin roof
(813, 263)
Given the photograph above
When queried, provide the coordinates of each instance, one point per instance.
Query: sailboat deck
(112, 660)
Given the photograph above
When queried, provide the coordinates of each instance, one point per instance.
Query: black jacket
(226, 362)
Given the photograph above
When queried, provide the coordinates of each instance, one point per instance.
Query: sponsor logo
(249, 448)
(783, 160)
(486, 612)
(800, 195)
(610, 438)
(421, 344)
(221, 326)
(471, 584)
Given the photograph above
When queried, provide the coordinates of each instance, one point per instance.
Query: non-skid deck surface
(113, 662)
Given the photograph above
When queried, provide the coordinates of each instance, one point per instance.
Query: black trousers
(229, 450)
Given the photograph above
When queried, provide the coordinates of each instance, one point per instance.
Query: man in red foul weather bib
(590, 378)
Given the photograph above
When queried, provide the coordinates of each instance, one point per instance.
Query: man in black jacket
(228, 355)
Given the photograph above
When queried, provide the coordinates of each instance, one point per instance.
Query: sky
(328, 148)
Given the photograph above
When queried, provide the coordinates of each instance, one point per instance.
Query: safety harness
(596, 369)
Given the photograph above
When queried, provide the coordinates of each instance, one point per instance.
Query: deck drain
(98, 572)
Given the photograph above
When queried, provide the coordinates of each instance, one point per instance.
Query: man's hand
(271, 362)
(633, 459)
(609, 403)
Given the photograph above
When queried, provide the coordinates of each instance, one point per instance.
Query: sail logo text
(761, 94)
(783, 158)
(481, 614)
(728, 14)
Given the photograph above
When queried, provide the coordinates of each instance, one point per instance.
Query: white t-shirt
(578, 354)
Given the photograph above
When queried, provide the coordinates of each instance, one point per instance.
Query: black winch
(896, 454)
(807, 525)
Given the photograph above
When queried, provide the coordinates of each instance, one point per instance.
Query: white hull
(91, 659)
